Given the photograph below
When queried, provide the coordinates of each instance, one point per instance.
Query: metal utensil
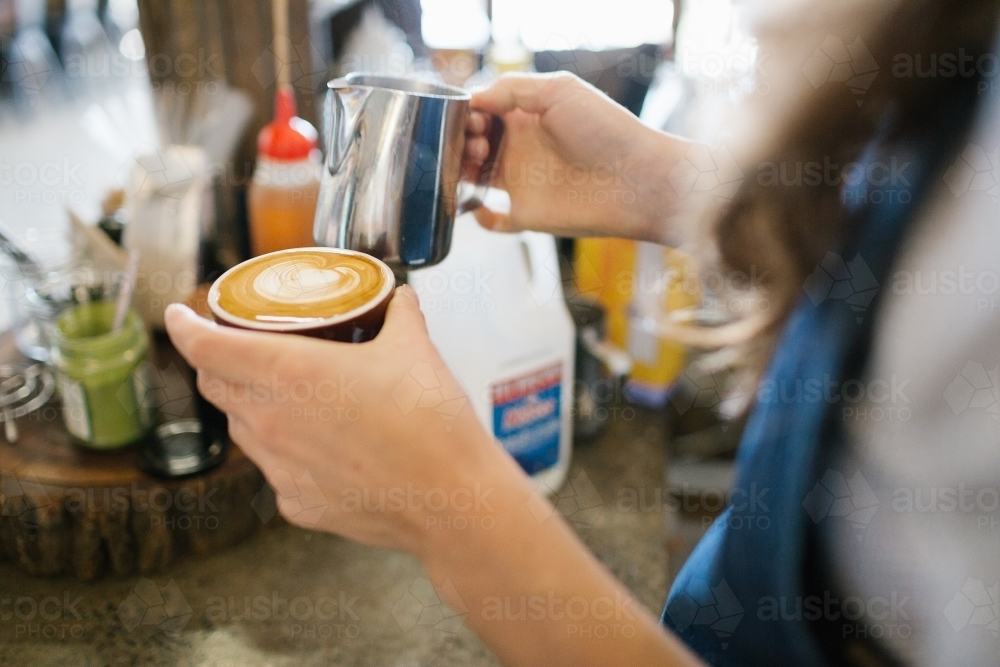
(394, 156)
(128, 284)
(601, 368)
(28, 267)
(178, 449)
(23, 389)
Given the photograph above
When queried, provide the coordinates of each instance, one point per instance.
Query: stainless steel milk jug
(390, 185)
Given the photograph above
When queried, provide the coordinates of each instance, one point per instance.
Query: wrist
(466, 475)
(484, 490)
(651, 218)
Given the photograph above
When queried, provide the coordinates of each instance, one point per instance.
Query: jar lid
(177, 449)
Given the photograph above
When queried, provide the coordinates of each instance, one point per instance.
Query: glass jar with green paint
(101, 375)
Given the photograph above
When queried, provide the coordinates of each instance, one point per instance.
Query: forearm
(533, 592)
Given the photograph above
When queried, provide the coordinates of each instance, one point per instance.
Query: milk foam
(295, 282)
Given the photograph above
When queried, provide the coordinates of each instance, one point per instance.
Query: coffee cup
(329, 293)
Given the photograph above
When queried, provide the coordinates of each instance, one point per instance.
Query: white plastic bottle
(495, 310)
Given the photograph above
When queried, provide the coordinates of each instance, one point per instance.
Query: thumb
(404, 317)
(224, 351)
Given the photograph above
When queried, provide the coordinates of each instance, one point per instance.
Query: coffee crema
(300, 286)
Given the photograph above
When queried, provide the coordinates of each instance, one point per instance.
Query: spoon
(128, 284)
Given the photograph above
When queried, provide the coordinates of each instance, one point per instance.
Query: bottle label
(76, 412)
(526, 417)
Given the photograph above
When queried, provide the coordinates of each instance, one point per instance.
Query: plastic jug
(495, 309)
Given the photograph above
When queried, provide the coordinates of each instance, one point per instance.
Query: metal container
(180, 448)
(390, 186)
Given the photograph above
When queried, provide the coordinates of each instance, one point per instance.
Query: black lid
(177, 449)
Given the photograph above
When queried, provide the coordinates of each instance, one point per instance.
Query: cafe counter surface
(287, 596)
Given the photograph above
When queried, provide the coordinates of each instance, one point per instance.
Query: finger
(476, 150)
(476, 124)
(493, 221)
(404, 316)
(232, 354)
(532, 93)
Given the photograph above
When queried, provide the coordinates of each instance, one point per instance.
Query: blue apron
(715, 602)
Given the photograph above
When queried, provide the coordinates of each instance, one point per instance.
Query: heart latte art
(300, 286)
(292, 283)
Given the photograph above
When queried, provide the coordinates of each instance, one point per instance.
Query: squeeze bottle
(282, 195)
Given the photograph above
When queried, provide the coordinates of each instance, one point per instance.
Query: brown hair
(781, 232)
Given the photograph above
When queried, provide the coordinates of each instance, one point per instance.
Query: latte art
(301, 286)
(291, 282)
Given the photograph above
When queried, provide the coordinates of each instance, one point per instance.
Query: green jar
(101, 375)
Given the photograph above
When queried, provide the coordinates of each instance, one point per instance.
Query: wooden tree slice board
(67, 509)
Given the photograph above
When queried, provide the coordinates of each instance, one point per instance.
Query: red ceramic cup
(328, 293)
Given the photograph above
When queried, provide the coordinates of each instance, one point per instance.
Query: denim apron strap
(715, 602)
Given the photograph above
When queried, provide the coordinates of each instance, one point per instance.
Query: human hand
(354, 467)
(574, 162)
(341, 431)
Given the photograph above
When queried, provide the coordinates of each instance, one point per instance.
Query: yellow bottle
(637, 283)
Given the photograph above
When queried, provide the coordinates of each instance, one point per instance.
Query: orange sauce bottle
(281, 202)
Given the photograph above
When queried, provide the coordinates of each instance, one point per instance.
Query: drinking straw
(125, 295)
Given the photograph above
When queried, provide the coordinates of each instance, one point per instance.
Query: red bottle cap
(287, 137)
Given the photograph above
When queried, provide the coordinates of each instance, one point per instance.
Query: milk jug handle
(494, 134)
